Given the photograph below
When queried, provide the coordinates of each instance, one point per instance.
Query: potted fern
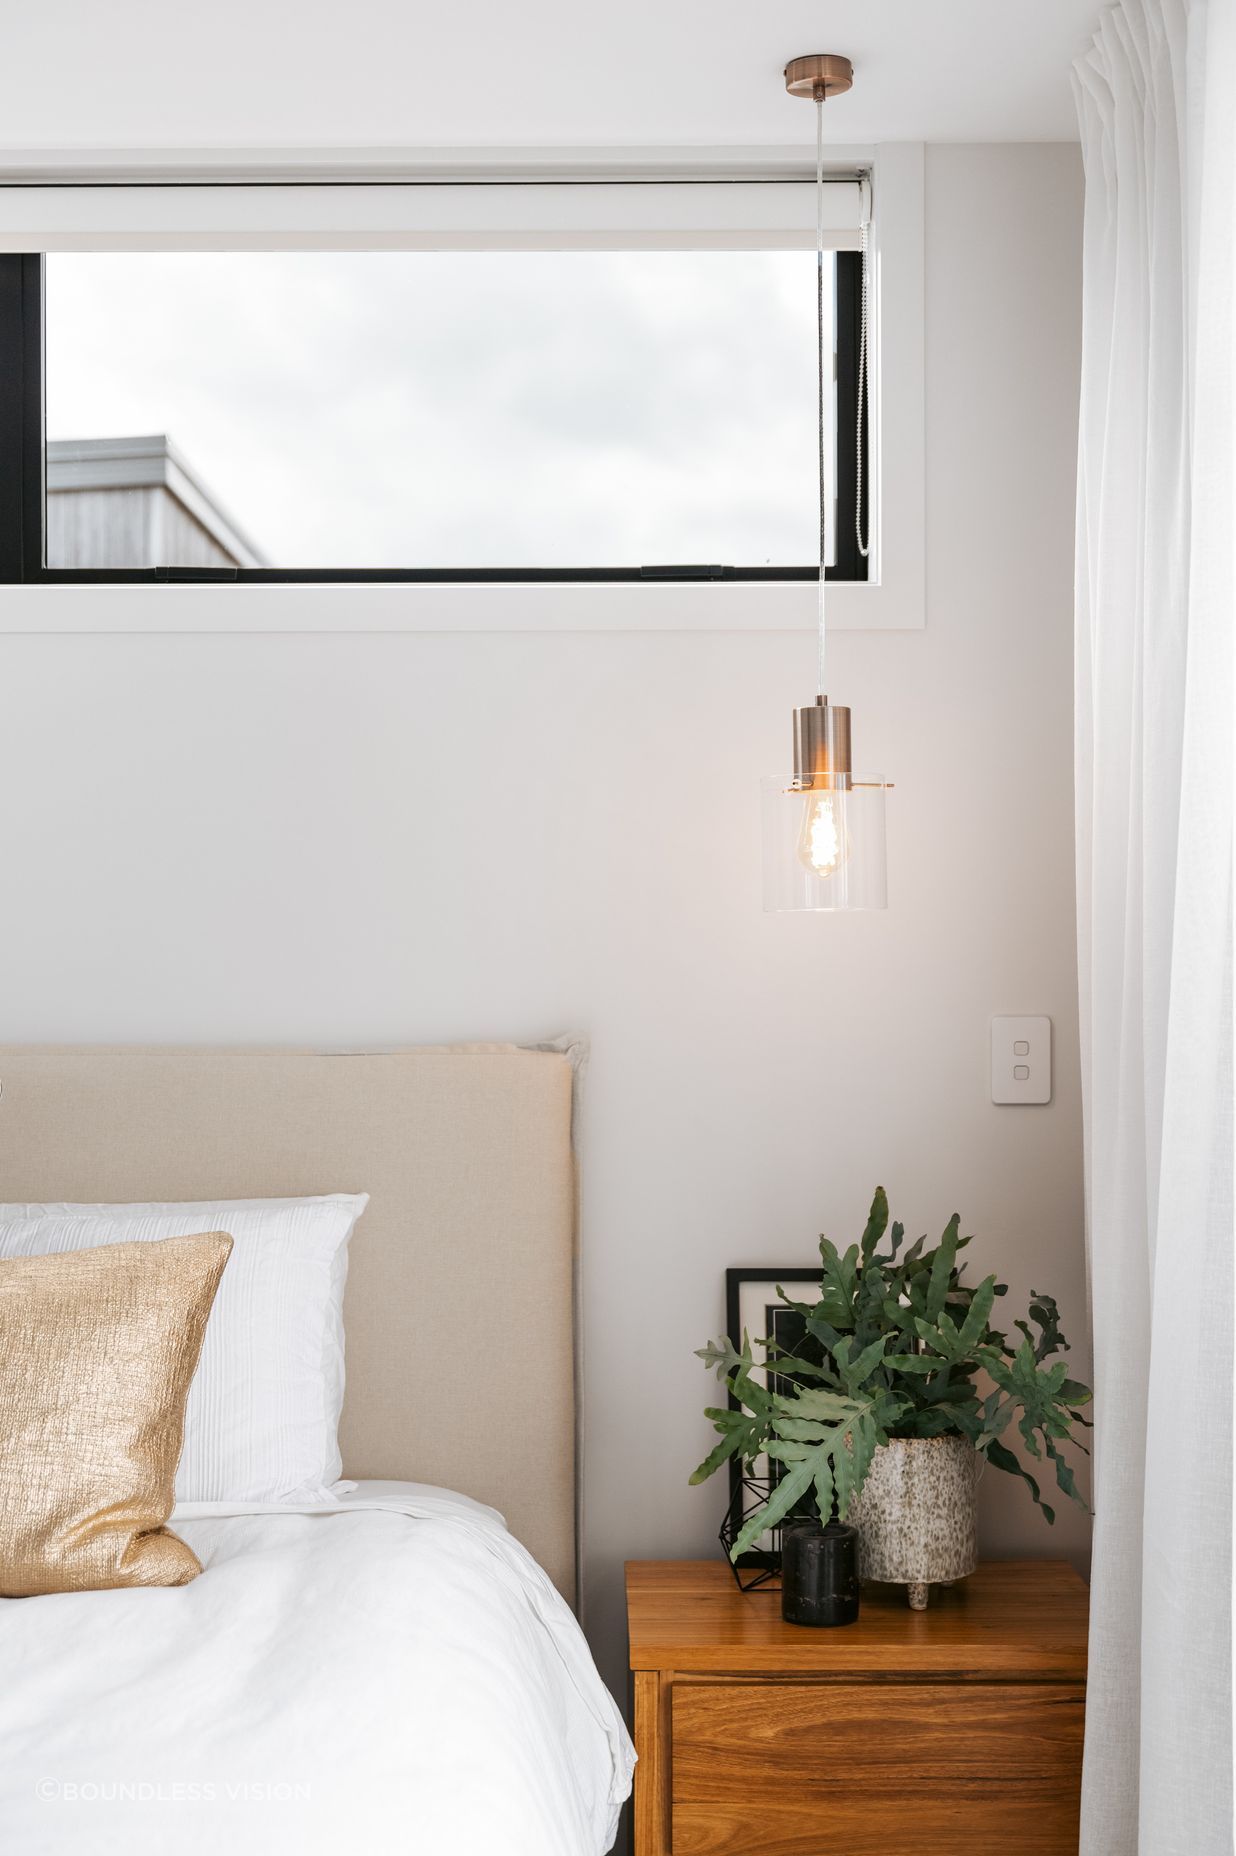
(897, 1391)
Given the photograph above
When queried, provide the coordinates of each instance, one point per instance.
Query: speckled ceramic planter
(915, 1515)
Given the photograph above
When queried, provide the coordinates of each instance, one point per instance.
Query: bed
(397, 1668)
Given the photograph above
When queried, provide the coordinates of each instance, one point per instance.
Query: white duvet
(391, 1674)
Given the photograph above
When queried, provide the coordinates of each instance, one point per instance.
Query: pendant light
(824, 830)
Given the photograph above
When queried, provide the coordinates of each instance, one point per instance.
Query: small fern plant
(897, 1345)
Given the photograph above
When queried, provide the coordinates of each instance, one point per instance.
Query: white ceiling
(252, 74)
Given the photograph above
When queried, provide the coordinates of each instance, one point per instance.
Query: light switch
(1021, 1060)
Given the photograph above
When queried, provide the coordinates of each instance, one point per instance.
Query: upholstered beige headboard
(459, 1302)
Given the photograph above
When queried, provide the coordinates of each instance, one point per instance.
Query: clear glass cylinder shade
(824, 844)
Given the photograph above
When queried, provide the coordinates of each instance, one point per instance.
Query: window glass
(438, 409)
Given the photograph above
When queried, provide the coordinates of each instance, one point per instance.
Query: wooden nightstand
(953, 1731)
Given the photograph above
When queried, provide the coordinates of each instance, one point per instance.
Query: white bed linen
(390, 1673)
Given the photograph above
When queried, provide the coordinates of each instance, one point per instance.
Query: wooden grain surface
(862, 1769)
(652, 1746)
(1014, 1620)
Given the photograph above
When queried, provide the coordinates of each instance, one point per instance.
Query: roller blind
(428, 216)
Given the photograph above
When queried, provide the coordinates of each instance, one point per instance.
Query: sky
(472, 409)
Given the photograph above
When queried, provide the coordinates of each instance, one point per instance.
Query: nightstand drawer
(875, 1769)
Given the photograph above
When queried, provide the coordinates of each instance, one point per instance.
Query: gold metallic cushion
(97, 1349)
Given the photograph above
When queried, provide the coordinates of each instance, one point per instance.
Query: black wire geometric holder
(761, 1564)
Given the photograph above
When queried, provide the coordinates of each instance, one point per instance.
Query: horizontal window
(437, 413)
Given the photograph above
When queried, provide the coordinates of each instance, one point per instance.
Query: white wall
(419, 837)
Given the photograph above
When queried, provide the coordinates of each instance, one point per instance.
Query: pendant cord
(861, 396)
(819, 330)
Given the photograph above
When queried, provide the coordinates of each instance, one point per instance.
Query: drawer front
(875, 1769)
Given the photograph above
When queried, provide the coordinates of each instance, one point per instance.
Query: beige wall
(289, 838)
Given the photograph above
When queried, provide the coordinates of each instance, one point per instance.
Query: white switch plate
(1021, 1059)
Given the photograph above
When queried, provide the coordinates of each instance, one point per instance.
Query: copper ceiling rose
(818, 76)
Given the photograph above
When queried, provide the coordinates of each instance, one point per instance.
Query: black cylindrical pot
(819, 1574)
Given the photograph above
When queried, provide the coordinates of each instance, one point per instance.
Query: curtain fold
(1156, 573)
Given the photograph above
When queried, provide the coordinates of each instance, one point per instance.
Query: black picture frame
(748, 1487)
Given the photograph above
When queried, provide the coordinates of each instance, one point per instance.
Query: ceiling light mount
(818, 76)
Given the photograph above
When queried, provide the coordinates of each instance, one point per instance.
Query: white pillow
(263, 1414)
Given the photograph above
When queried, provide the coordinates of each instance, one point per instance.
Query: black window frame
(23, 492)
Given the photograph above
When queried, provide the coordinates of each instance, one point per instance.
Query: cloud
(461, 408)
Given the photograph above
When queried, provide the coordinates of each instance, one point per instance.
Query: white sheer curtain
(1156, 98)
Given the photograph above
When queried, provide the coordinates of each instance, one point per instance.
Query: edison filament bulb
(822, 842)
